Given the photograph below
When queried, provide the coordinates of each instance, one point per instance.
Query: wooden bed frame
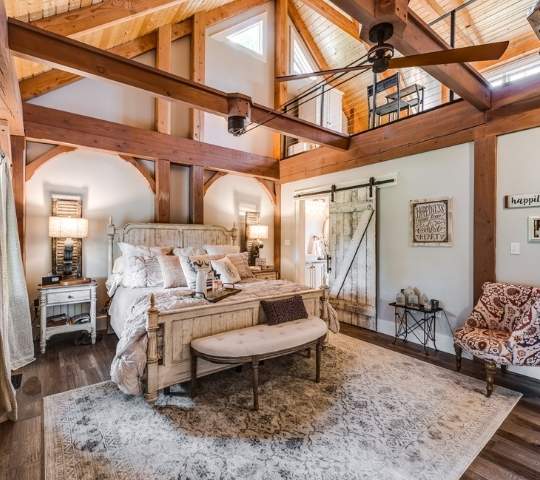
(170, 332)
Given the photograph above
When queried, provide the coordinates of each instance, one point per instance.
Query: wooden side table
(265, 274)
(69, 300)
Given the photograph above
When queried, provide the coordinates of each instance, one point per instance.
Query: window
(249, 35)
(515, 71)
(301, 61)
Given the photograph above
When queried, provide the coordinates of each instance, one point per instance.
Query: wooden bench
(257, 343)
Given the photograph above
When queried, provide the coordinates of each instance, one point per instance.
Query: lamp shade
(257, 232)
(67, 227)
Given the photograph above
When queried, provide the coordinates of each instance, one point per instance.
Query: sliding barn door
(353, 276)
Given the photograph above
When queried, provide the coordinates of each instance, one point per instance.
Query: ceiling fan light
(236, 125)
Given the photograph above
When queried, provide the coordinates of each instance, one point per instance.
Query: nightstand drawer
(265, 275)
(69, 297)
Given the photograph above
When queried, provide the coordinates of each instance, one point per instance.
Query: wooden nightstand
(69, 300)
(266, 274)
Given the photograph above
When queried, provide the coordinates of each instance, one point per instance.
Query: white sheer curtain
(16, 343)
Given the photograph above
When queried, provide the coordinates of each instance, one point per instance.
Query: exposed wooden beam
(269, 188)
(53, 79)
(197, 70)
(417, 37)
(27, 40)
(18, 162)
(281, 62)
(10, 98)
(142, 170)
(306, 36)
(230, 10)
(485, 211)
(47, 125)
(277, 228)
(196, 194)
(163, 62)
(105, 14)
(38, 162)
(162, 209)
(352, 27)
(213, 178)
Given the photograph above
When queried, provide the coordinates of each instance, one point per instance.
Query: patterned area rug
(376, 414)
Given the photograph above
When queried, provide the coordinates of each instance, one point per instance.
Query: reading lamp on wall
(257, 233)
(68, 228)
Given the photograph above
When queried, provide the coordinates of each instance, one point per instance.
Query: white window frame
(243, 25)
(295, 37)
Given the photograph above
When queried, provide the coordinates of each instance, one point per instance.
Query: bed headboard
(167, 234)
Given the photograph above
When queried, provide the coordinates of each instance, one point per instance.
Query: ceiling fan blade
(476, 53)
(287, 78)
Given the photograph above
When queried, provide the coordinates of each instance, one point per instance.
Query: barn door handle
(328, 260)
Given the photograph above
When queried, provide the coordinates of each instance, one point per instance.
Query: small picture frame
(260, 262)
(534, 229)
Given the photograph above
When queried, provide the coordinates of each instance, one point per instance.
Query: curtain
(16, 343)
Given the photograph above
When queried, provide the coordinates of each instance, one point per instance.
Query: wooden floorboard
(512, 454)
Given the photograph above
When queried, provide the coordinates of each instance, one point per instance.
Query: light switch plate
(287, 243)
(515, 248)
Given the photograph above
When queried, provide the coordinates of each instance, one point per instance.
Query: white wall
(518, 171)
(233, 69)
(224, 198)
(108, 185)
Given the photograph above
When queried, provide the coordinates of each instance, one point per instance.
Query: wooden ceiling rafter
(138, 165)
(29, 41)
(213, 178)
(42, 159)
(47, 125)
(325, 10)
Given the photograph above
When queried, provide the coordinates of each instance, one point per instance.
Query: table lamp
(257, 233)
(68, 228)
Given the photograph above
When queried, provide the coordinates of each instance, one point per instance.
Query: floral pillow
(134, 272)
(227, 272)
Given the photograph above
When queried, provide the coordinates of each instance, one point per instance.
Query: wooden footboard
(170, 334)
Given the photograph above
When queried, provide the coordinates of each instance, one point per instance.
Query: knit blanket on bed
(129, 363)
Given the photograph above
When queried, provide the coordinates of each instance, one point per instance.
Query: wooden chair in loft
(396, 101)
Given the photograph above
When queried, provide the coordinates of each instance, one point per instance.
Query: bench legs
(318, 361)
(193, 374)
(255, 373)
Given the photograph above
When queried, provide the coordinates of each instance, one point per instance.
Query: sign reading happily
(431, 222)
(523, 200)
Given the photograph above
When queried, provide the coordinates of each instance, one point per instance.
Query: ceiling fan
(380, 57)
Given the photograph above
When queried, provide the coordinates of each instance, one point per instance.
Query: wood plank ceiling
(482, 21)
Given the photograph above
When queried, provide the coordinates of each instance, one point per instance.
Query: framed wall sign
(431, 222)
(534, 229)
(522, 200)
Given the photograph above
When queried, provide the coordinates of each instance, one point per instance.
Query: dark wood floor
(512, 454)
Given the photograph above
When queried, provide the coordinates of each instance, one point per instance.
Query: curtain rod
(333, 189)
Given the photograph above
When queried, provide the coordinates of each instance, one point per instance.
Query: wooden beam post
(162, 210)
(197, 74)
(485, 211)
(196, 194)
(18, 163)
(277, 228)
(281, 62)
(163, 62)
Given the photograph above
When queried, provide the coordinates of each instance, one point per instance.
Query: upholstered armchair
(503, 329)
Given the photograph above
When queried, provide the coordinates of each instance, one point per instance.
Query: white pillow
(190, 266)
(134, 273)
(227, 272)
(171, 271)
(154, 276)
(129, 250)
(119, 265)
(112, 283)
(221, 249)
(188, 251)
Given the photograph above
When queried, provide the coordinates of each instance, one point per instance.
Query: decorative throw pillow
(154, 277)
(119, 265)
(226, 270)
(188, 251)
(134, 272)
(240, 261)
(191, 265)
(129, 250)
(171, 271)
(221, 249)
(286, 310)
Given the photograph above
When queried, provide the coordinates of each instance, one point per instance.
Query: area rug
(376, 414)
